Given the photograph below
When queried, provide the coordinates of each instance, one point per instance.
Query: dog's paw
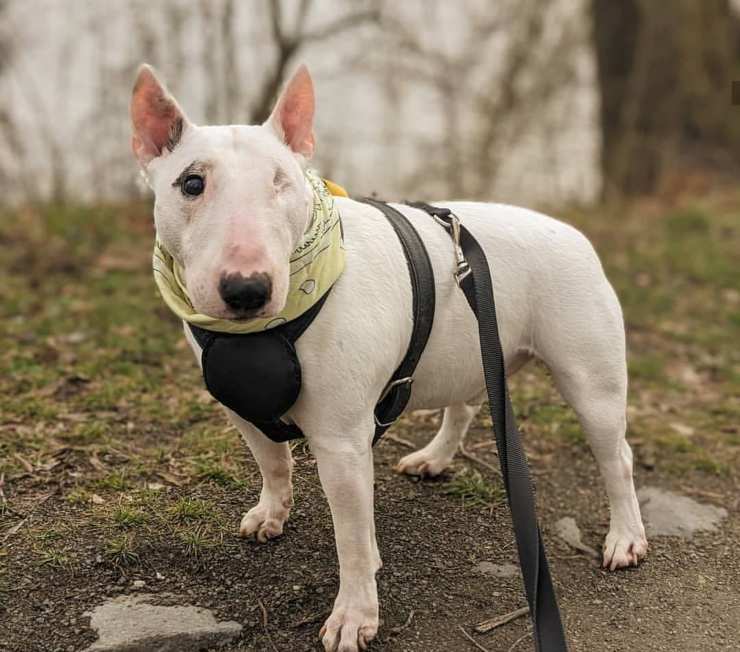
(623, 549)
(350, 627)
(265, 521)
(423, 463)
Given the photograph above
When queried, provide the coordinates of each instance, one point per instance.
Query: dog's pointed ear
(292, 117)
(157, 121)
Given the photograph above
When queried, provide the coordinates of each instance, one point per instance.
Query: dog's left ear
(157, 120)
(292, 117)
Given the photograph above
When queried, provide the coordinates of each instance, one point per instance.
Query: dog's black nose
(242, 293)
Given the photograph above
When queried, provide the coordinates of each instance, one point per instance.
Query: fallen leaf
(568, 531)
(682, 429)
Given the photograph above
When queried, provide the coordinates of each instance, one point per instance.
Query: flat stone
(132, 624)
(670, 514)
(497, 570)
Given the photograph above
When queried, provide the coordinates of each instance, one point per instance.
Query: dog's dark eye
(193, 185)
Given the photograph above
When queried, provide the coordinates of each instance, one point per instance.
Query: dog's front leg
(346, 473)
(266, 519)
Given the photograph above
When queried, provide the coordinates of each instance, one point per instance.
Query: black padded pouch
(257, 376)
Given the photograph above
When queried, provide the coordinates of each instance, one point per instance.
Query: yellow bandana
(314, 267)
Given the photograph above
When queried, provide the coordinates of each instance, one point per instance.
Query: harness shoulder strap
(397, 392)
(474, 277)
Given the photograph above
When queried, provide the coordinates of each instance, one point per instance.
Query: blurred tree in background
(664, 76)
(524, 101)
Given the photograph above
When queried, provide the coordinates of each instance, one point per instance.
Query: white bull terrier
(243, 211)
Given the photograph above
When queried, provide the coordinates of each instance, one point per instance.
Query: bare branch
(350, 21)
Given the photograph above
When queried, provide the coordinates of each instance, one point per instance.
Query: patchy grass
(193, 509)
(122, 551)
(100, 396)
(675, 271)
(198, 540)
(128, 517)
(473, 489)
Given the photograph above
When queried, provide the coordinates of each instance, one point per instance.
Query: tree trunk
(664, 75)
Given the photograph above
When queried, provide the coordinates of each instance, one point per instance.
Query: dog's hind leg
(601, 412)
(586, 356)
(266, 519)
(437, 455)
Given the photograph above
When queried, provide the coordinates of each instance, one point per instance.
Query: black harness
(258, 376)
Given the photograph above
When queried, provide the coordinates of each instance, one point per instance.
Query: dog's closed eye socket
(280, 180)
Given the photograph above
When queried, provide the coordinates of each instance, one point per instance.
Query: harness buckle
(451, 222)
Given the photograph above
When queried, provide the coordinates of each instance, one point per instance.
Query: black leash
(474, 278)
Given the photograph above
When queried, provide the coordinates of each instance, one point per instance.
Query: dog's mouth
(246, 315)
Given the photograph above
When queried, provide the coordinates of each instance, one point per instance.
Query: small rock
(670, 514)
(132, 623)
(139, 584)
(497, 570)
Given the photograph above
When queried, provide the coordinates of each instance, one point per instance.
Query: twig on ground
(4, 504)
(519, 640)
(484, 444)
(264, 624)
(399, 440)
(702, 493)
(471, 639)
(24, 463)
(10, 532)
(497, 621)
(398, 629)
(312, 618)
(469, 456)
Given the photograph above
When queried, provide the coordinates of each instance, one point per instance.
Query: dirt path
(116, 468)
(685, 597)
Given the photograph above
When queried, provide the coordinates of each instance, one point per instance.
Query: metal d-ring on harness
(474, 278)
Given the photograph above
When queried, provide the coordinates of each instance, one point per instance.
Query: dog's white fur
(553, 302)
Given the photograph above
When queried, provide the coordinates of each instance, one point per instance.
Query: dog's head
(231, 202)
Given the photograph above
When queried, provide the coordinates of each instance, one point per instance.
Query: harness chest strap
(397, 392)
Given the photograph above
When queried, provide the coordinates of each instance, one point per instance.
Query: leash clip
(451, 223)
(463, 269)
